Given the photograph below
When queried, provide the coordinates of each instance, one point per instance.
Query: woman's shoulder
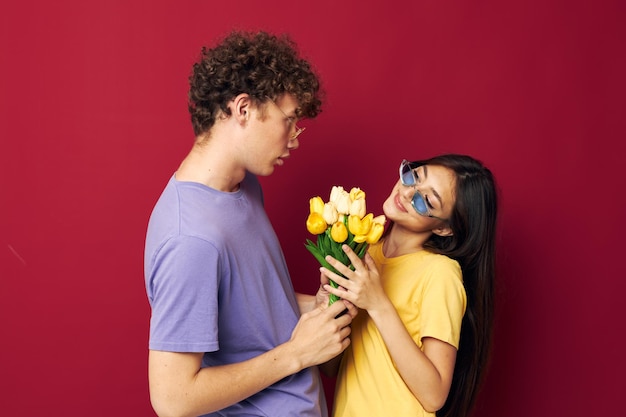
(442, 268)
(439, 259)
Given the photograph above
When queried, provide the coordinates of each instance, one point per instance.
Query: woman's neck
(402, 242)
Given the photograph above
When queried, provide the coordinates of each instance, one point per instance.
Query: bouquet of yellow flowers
(342, 220)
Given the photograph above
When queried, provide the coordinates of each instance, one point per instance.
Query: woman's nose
(407, 191)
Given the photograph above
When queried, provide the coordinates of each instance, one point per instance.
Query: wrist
(382, 310)
(289, 355)
(306, 302)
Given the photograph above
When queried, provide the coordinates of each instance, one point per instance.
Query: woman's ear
(443, 230)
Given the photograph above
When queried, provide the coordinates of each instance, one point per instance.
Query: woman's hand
(362, 287)
(323, 296)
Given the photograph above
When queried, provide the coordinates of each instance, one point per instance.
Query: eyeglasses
(409, 178)
(291, 121)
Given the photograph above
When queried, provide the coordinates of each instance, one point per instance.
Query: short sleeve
(443, 303)
(183, 293)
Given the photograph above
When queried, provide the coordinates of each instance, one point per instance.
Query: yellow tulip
(357, 202)
(376, 232)
(330, 213)
(359, 238)
(339, 232)
(381, 219)
(316, 205)
(357, 208)
(316, 224)
(360, 226)
(343, 205)
(357, 194)
(335, 192)
(341, 199)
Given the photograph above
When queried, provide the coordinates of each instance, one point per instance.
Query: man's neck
(207, 164)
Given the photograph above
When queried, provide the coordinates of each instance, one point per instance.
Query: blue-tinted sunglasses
(409, 178)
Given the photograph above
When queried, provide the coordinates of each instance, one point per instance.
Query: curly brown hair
(259, 64)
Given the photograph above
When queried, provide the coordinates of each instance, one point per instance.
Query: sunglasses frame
(406, 166)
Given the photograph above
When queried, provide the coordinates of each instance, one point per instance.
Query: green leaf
(327, 246)
(361, 249)
(323, 242)
(313, 249)
(310, 243)
(332, 297)
(339, 254)
(320, 258)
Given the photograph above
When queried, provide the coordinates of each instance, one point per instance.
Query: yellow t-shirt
(427, 291)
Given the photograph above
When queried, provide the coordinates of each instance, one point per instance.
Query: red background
(93, 122)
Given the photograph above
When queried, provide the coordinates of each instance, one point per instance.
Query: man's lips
(281, 159)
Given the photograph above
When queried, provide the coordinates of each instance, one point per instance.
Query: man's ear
(443, 230)
(240, 107)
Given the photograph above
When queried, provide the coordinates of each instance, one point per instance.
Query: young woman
(421, 343)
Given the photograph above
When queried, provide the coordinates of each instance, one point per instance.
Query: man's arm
(306, 302)
(180, 387)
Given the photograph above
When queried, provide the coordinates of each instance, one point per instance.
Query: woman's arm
(428, 372)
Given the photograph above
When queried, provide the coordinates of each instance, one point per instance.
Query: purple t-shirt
(217, 283)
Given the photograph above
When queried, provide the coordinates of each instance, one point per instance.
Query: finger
(323, 278)
(354, 259)
(352, 309)
(369, 261)
(343, 269)
(322, 291)
(333, 290)
(336, 308)
(342, 281)
(345, 316)
(340, 292)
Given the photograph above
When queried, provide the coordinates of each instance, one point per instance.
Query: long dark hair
(472, 244)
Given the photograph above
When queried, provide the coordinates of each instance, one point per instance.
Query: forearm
(306, 302)
(180, 387)
(428, 380)
(191, 393)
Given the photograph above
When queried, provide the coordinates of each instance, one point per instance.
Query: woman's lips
(398, 203)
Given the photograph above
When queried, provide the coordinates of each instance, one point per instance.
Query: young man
(228, 335)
